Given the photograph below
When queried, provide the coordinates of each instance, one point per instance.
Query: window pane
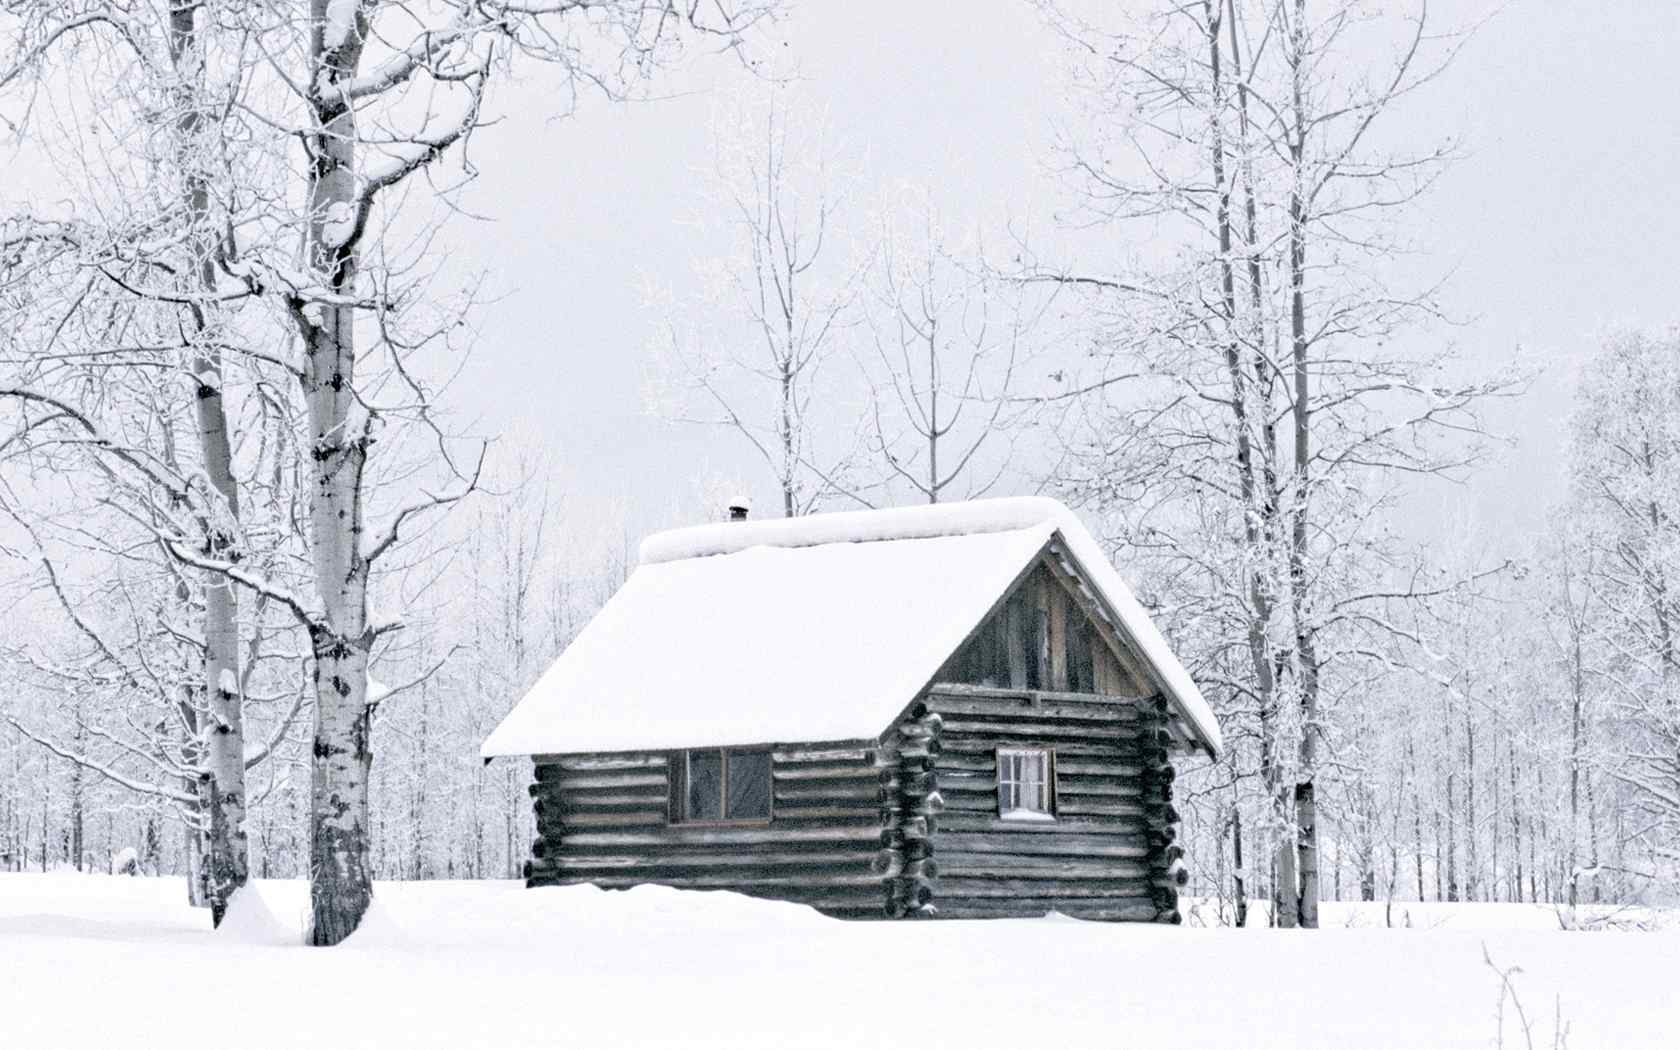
(749, 785)
(1023, 781)
(1032, 768)
(705, 785)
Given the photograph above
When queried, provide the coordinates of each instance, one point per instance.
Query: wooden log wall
(1167, 873)
(603, 819)
(910, 804)
(1101, 857)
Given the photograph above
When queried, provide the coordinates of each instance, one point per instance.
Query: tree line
(227, 458)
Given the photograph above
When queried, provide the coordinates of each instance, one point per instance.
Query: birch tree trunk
(222, 787)
(341, 883)
(1306, 654)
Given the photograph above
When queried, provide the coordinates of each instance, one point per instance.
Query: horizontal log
(1113, 768)
(730, 880)
(1083, 806)
(758, 835)
(968, 783)
(874, 912)
(1079, 714)
(951, 820)
(595, 762)
(822, 754)
(998, 865)
(570, 801)
(866, 790)
(1105, 911)
(625, 779)
(625, 863)
(852, 813)
(960, 690)
(1129, 846)
(957, 762)
(953, 889)
(624, 818)
(988, 745)
(1012, 730)
(855, 771)
(1086, 784)
(957, 802)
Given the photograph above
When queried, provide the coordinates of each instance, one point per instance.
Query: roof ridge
(926, 521)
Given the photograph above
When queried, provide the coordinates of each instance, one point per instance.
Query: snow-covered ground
(100, 961)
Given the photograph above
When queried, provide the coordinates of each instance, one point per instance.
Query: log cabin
(952, 711)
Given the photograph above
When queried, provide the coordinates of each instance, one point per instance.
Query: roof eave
(1157, 675)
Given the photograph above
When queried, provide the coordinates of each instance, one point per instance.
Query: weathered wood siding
(1098, 859)
(605, 819)
(1046, 671)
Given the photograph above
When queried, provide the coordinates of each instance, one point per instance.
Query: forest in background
(1242, 403)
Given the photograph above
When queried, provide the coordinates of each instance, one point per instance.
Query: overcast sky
(1559, 221)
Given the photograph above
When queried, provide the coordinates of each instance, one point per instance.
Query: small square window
(719, 786)
(1025, 780)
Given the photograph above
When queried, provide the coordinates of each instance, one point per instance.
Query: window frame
(1048, 789)
(677, 810)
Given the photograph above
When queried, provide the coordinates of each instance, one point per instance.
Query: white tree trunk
(340, 876)
(222, 787)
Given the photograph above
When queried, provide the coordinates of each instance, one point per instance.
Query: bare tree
(178, 96)
(362, 141)
(372, 94)
(1624, 511)
(948, 336)
(755, 350)
(1253, 428)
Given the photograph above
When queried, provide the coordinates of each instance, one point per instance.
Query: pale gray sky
(1559, 221)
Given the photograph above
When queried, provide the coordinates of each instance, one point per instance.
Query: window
(1025, 784)
(720, 786)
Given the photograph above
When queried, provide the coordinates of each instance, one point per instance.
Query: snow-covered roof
(806, 629)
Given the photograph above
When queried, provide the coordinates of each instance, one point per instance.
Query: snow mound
(250, 919)
(380, 928)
